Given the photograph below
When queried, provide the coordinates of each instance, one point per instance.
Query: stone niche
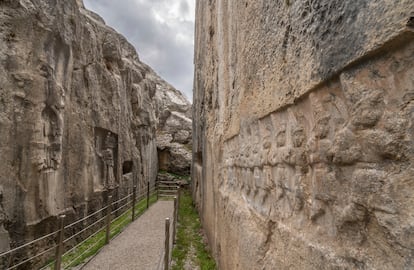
(128, 175)
(106, 150)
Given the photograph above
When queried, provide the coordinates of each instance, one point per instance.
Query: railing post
(178, 200)
(134, 201)
(108, 220)
(167, 244)
(175, 219)
(158, 189)
(59, 248)
(148, 193)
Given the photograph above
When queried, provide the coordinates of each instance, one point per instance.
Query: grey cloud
(184, 8)
(156, 42)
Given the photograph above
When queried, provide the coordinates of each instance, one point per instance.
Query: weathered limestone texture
(78, 116)
(174, 129)
(303, 125)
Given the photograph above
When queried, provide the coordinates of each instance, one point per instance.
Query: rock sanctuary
(303, 146)
(79, 114)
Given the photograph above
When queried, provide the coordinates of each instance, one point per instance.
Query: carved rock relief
(333, 157)
(106, 149)
(47, 139)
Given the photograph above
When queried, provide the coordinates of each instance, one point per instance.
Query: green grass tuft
(189, 238)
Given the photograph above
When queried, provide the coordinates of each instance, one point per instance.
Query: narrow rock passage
(140, 245)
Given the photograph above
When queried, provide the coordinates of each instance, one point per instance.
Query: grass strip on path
(190, 247)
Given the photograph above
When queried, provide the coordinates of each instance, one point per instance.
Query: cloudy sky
(162, 31)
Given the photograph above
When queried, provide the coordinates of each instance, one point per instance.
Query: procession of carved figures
(291, 163)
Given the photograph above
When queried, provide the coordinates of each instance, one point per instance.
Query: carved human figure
(267, 183)
(298, 158)
(107, 157)
(346, 149)
(266, 145)
(278, 157)
(48, 141)
(256, 147)
(368, 109)
(320, 155)
(260, 148)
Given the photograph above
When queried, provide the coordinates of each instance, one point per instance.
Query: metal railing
(76, 234)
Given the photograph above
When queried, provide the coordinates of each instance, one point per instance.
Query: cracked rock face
(174, 130)
(303, 136)
(78, 116)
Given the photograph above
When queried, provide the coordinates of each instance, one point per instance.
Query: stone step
(168, 182)
(168, 186)
(167, 191)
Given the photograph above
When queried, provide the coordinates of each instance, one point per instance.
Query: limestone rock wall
(77, 116)
(174, 129)
(303, 133)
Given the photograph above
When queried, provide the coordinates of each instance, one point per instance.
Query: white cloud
(162, 31)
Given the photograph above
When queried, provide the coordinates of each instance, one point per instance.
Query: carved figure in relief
(267, 187)
(107, 156)
(278, 158)
(320, 155)
(255, 142)
(48, 141)
(231, 178)
(262, 178)
(346, 149)
(368, 109)
(266, 145)
(298, 158)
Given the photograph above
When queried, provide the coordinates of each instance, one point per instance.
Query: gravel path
(139, 246)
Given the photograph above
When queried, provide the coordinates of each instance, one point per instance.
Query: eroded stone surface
(78, 116)
(174, 129)
(303, 146)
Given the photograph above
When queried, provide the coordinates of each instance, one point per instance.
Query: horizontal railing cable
(31, 258)
(84, 229)
(117, 226)
(84, 252)
(126, 197)
(96, 212)
(28, 244)
(141, 195)
(119, 208)
(86, 239)
(85, 218)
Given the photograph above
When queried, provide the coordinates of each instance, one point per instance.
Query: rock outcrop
(174, 136)
(303, 132)
(78, 116)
